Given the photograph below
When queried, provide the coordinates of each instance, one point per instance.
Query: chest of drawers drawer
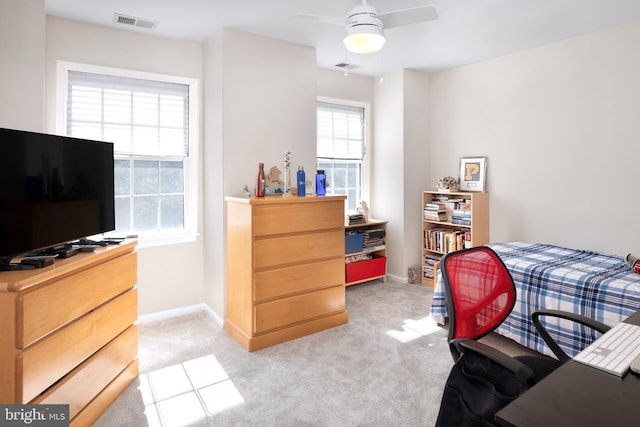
(43, 310)
(297, 248)
(294, 279)
(292, 218)
(298, 308)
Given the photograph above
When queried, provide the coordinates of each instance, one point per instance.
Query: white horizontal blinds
(340, 132)
(141, 117)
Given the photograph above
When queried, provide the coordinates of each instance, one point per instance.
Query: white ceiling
(467, 31)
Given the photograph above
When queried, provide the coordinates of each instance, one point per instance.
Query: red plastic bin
(363, 270)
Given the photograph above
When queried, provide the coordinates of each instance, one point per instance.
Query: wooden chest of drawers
(285, 268)
(68, 333)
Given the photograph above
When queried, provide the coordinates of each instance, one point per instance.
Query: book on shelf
(374, 239)
(435, 212)
(355, 219)
(457, 210)
(428, 267)
(461, 215)
(435, 206)
(375, 233)
(445, 240)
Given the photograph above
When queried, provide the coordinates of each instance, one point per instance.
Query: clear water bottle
(321, 183)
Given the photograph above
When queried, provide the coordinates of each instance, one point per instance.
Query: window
(341, 150)
(149, 120)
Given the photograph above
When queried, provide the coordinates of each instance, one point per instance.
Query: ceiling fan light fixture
(364, 38)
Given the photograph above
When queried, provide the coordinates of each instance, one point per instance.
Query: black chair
(479, 295)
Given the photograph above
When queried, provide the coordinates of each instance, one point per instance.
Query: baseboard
(398, 279)
(181, 311)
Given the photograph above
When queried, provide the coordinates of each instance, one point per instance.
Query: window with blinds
(148, 123)
(341, 149)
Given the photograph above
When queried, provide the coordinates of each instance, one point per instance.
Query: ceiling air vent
(134, 22)
(346, 66)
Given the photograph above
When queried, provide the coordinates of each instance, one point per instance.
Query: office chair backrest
(479, 291)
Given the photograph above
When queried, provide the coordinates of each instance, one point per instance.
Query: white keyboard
(614, 351)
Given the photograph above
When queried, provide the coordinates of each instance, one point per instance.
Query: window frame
(191, 161)
(366, 163)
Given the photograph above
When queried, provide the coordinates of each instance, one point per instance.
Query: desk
(577, 395)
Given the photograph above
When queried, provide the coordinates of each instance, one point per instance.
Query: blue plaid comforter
(598, 286)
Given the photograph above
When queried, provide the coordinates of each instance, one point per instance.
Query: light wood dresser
(68, 333)
(285, 268)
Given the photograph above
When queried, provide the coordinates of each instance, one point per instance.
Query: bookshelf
(365, 252)
(451, 221)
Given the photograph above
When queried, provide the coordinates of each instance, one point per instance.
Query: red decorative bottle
(260, 182)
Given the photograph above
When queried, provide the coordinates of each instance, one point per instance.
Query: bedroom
(557, 123)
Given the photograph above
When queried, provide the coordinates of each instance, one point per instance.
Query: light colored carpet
(359, 374)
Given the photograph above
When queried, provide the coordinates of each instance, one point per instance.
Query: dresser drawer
(42, 364)
(288, 218)
(275, 314)
(47, 308)
(274, 251)
(85, 382)
(299, 278)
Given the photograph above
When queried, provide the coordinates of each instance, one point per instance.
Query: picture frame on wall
(473, 174)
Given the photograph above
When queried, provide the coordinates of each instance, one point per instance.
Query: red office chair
(480, 294)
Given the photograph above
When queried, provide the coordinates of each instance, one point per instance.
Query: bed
(601, 287)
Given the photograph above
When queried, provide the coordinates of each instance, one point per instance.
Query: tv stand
(68, 334)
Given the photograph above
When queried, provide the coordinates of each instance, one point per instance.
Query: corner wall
(401, 164)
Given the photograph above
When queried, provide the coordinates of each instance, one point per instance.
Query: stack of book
(429, 267)
(374, 239)
(461, 216)
(435, 212)
(356, 219)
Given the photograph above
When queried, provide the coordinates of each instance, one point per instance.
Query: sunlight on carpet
(413, 329)
(182, 394)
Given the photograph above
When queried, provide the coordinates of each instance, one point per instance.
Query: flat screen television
(53, 190)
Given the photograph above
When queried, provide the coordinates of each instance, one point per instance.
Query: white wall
(22, 48)
(387, 200)
(559, 125)
(168, 276)
(214, 247)
(416, 171)
(401, 164)
(264, 96)
(269, 99)
(352, 87)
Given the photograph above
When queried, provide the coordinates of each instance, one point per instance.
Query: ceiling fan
(365, 26)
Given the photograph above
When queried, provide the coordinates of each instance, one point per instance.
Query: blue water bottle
(321, 183)
(301, 181)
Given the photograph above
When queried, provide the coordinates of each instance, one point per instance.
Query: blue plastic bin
(353, 242)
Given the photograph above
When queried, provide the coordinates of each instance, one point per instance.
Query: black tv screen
(53, 190)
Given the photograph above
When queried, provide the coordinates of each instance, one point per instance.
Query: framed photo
(473, 174)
